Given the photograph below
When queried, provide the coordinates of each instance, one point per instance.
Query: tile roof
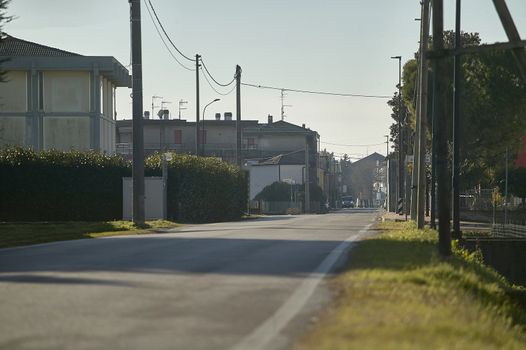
(12, 47)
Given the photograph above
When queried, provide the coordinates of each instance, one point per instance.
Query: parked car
(347, 202)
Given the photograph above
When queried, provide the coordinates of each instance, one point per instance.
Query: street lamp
(203, 130)
(401, 168)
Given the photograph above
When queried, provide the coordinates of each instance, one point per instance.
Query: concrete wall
(66, 91)
(67, 133)
(13, 92)
(280, 143)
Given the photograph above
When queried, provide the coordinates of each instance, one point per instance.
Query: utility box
(153, 198)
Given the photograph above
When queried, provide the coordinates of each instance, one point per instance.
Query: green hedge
(54, 185)
(202, 189)
(59, 186)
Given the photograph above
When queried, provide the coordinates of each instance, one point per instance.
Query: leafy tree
(493, 109)
(4, 18)
(275, 192)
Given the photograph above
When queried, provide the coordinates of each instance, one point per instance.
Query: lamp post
(203, 130)
(401, 166)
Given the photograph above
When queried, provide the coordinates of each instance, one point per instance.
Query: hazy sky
(324, 45)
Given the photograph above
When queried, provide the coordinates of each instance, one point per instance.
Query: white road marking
(260, 337)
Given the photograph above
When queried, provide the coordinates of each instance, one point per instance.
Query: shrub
(54, 185)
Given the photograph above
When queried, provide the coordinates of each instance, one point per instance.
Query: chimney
(270, 119)
(146, 114)
(228, 115)
(303, 126)
(218, 116)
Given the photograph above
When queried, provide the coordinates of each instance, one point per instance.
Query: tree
(493, 109)
(4, 18)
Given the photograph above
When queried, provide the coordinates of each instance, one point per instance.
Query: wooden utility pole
(443, 178)
(238, 115)
(137, 110)
(197, 131)
(307, 175)
(423, 88)
(456, 124)
(512, 33)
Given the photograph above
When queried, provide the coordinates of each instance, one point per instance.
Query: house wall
(61, 110)
(262, 176)
(14, 129)
(279, 143)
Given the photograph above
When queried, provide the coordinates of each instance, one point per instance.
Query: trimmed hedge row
(202, 189)
(61, 186)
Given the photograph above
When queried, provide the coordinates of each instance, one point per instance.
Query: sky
(341, 46)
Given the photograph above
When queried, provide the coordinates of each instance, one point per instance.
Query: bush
(54, 185)
(77, 186)
(203, 189)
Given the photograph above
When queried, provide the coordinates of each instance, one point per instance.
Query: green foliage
(4, 18)
(202, 189)
(54, 185)
(275, 192)
(77, 186)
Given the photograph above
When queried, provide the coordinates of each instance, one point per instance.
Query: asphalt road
(245, 285)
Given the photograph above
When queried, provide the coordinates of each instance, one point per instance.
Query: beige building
(54, 99)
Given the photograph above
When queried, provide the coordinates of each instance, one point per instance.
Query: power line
(212, 77)
(164, 42)
(218, 92)
(166, 34)
(316, 92)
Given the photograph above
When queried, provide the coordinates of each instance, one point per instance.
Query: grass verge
(397, 293)
(26, 233)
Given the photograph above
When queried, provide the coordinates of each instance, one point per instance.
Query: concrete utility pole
(443, 178)
(197, 133)
(456, 124)
(238, 115)
(307, 175)
(423, 92)
(137, 109)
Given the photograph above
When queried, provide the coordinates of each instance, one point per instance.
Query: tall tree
(4, 18)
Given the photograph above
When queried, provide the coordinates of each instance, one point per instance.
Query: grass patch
(26, 233)
(397, 293)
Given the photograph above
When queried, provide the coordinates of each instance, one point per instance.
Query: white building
(54, 99)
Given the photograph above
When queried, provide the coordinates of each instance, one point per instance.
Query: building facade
(55, 99)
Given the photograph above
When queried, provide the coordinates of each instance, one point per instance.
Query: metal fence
(508, 231)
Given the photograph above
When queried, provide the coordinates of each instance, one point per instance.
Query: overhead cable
(212, 77)
(316, 92)
(217, 91)
(164, 42)
(166, 34)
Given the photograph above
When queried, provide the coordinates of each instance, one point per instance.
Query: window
(250, 143)
(178, 137)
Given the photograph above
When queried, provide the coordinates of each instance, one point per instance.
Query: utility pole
(456, 125)
(433, 191)
(138, 136)
(387, 177)
(401, 166)
(307, 175)
(238, 115)
(416, 144)
(197, 133)
(506, 190)
(421, 161)
(443, 178)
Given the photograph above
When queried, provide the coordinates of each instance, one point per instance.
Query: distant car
(347, 202)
